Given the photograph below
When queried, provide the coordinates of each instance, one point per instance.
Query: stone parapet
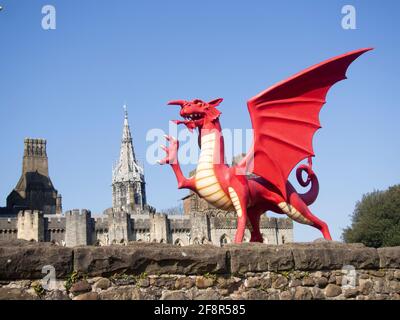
(300, 271)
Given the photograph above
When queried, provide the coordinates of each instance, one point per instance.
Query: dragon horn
(177, 102)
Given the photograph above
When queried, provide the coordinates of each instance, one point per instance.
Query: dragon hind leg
(299, 212)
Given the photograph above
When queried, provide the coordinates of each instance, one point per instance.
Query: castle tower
(78, 227)
(30, 225)
(34, 190)
(128, 184)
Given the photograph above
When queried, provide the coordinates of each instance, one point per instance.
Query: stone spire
(127, 168)
(128, 176)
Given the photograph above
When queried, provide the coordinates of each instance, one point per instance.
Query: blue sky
(68, 85)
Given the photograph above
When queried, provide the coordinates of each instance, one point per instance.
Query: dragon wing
(286, 116)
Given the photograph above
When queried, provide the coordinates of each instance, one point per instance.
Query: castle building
(34, 209)
(34, 189)
(128, 184)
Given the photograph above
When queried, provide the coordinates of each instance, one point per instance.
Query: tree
(177, 210)
(376, 219)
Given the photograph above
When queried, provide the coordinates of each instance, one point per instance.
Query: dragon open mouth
(193, 116)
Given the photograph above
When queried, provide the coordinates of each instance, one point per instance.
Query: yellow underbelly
(207, 184)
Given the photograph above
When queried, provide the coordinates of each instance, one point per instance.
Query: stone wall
(319, 270)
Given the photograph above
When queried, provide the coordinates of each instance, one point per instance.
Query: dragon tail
(312, 194)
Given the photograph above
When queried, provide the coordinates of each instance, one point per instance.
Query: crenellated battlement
(78, 213)
(29, 214)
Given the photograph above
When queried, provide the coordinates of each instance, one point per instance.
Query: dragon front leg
(239, 201)
(172, 160)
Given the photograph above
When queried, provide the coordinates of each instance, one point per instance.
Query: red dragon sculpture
(284, 118)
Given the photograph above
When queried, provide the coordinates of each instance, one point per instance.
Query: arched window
(196, 241)
(178, 242)
(224, 240)
(283, 239)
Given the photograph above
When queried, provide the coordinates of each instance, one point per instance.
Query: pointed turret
(128, 176)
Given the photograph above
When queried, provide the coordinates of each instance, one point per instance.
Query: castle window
(122, 190)
(136, 198)
(224, 240)
(283, 239)
(178, 242)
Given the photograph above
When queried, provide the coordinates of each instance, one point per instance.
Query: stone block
(389, 257)
(333, 256)
(26, 260)
(151, 258)
(258, 257)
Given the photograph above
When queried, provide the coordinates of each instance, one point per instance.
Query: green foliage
(286, 274)
(39, 290)
(376, 219)
(142, 276)
(72, 278)
(129, 277)
(210, 276)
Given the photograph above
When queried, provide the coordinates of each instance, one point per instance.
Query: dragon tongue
(189, 124)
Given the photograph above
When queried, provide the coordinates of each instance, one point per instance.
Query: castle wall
(8, 228)
(100, 235)
(159, 228)
(119, 227)
(180, 230)
(200, 231)
(55, 230)
(116, 227)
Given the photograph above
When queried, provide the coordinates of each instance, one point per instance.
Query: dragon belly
(207, 184)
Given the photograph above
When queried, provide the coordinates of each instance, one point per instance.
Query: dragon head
(197, 113)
